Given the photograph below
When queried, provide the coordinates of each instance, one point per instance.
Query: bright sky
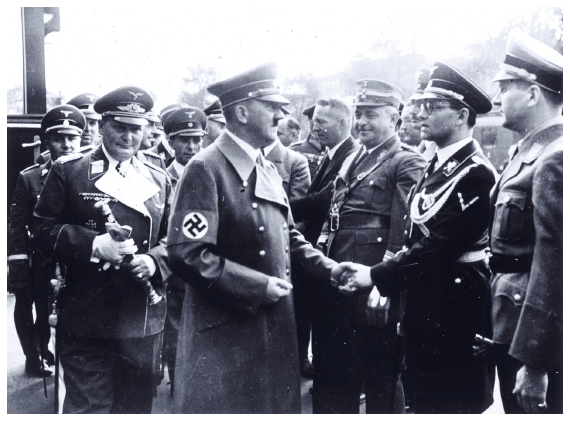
(102, 46)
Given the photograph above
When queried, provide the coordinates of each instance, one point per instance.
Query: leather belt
(363, 220)
(510, 264)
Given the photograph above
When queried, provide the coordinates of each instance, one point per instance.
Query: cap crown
(85, 102)
(63, 119)
(187, 121)
(129, 104)
(309, 111)
(374, 92)
(448, 82)
(257, 83)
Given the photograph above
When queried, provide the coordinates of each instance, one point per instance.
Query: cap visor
(375, 104)
(132, 120)
(188, 133)
(273, 98)
(416, 95)
(91, 115)
(431, 95)
(219, 119)
(502, 75)
(75, 132)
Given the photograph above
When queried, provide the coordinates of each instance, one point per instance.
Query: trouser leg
(87, 365)
(24, 322)
(133, 384)
(507, 368)
(302, 301)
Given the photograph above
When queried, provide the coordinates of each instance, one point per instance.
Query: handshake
(347, 276)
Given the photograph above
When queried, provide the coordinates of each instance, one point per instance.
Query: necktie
(259, 160)
(118, 168)
(360, 157)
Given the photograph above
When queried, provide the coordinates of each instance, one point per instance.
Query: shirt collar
(267, 150)
(113, 162)
(248, 149)
(445, 153)
(179, 168)
(333, 150)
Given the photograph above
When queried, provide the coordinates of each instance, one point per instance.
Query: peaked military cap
(446, 82)
(64, 119)
(166, 111)
(152, 116)
(127, 105)
(374, 92)
(309, 111)
(189, 121)
(258, 83)
(85, 103)
(214, 112)
(533, 61)
(285, 110)
(422, 79)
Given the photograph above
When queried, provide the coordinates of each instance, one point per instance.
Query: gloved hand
(104, 247)
(377, 309)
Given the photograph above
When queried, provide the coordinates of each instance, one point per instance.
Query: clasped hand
(350, 277)
(113, 252)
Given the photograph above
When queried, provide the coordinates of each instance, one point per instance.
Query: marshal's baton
(122, 233)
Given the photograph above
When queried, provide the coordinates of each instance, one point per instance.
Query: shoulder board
(300, 142)
(407, 147)
(154, 167)
(147, 152)
(31, 168)
(71, 157)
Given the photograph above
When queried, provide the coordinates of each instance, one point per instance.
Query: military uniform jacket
(231, 228)
(526, 224)
(163, 153)
(313, 151)
(28, 187)
(313, 208)
(104, 303)
(443, 270)
(293, 169)
(150, 156)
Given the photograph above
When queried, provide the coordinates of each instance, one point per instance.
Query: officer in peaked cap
(150, 132)
(153, 134)
(61, 129)
(369, 199)
(410, 129)
(526, 235)
(216, 122)
(163, 149)
(442, 265)
(310, 148)
(184, 129)
(85, 103)
(111, 316)
(230, 241)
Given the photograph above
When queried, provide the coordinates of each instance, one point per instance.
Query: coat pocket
(512, 286)
(509, 215)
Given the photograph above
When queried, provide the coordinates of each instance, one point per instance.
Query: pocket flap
(515, 291)
(212, 316)
(372, 236)
(512, 197)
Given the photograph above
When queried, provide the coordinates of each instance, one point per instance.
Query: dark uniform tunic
(107, 327)
(231, 229)
(313, 151)
(526, 244)
(370, 199)
(30, 285)
(448, 284)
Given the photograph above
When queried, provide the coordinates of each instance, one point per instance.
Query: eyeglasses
(429, 107)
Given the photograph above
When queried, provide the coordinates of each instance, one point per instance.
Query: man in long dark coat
(230, 240)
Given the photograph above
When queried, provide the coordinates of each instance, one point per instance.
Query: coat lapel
(451, 166)
(237, 157)
(98, 164)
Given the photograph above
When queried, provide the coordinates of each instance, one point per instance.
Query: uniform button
(38, 197)
(371, 182)
(245, 183)
(261, 229)
(286, 248)
(426, 176)
(254, 205)
(379, 239)
(507, 198)
(405, 216)
(457, 280)
(262, 253)
(405, 232)
(99, 270)
(517, 297)
(284, 225)
(287, 272)
(145, 243)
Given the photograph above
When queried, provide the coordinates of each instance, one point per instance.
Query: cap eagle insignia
(66, 113)
(190, 113)
(136, 95)
(91, 97)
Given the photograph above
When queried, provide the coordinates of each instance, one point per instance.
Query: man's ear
(534, 93)
(242, 113)
(463, 116)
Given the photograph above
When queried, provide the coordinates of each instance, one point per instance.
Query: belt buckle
(334, 222)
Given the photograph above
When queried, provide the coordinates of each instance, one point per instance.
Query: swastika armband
(194, 225)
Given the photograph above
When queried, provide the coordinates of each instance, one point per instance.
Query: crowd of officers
(208, 241)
